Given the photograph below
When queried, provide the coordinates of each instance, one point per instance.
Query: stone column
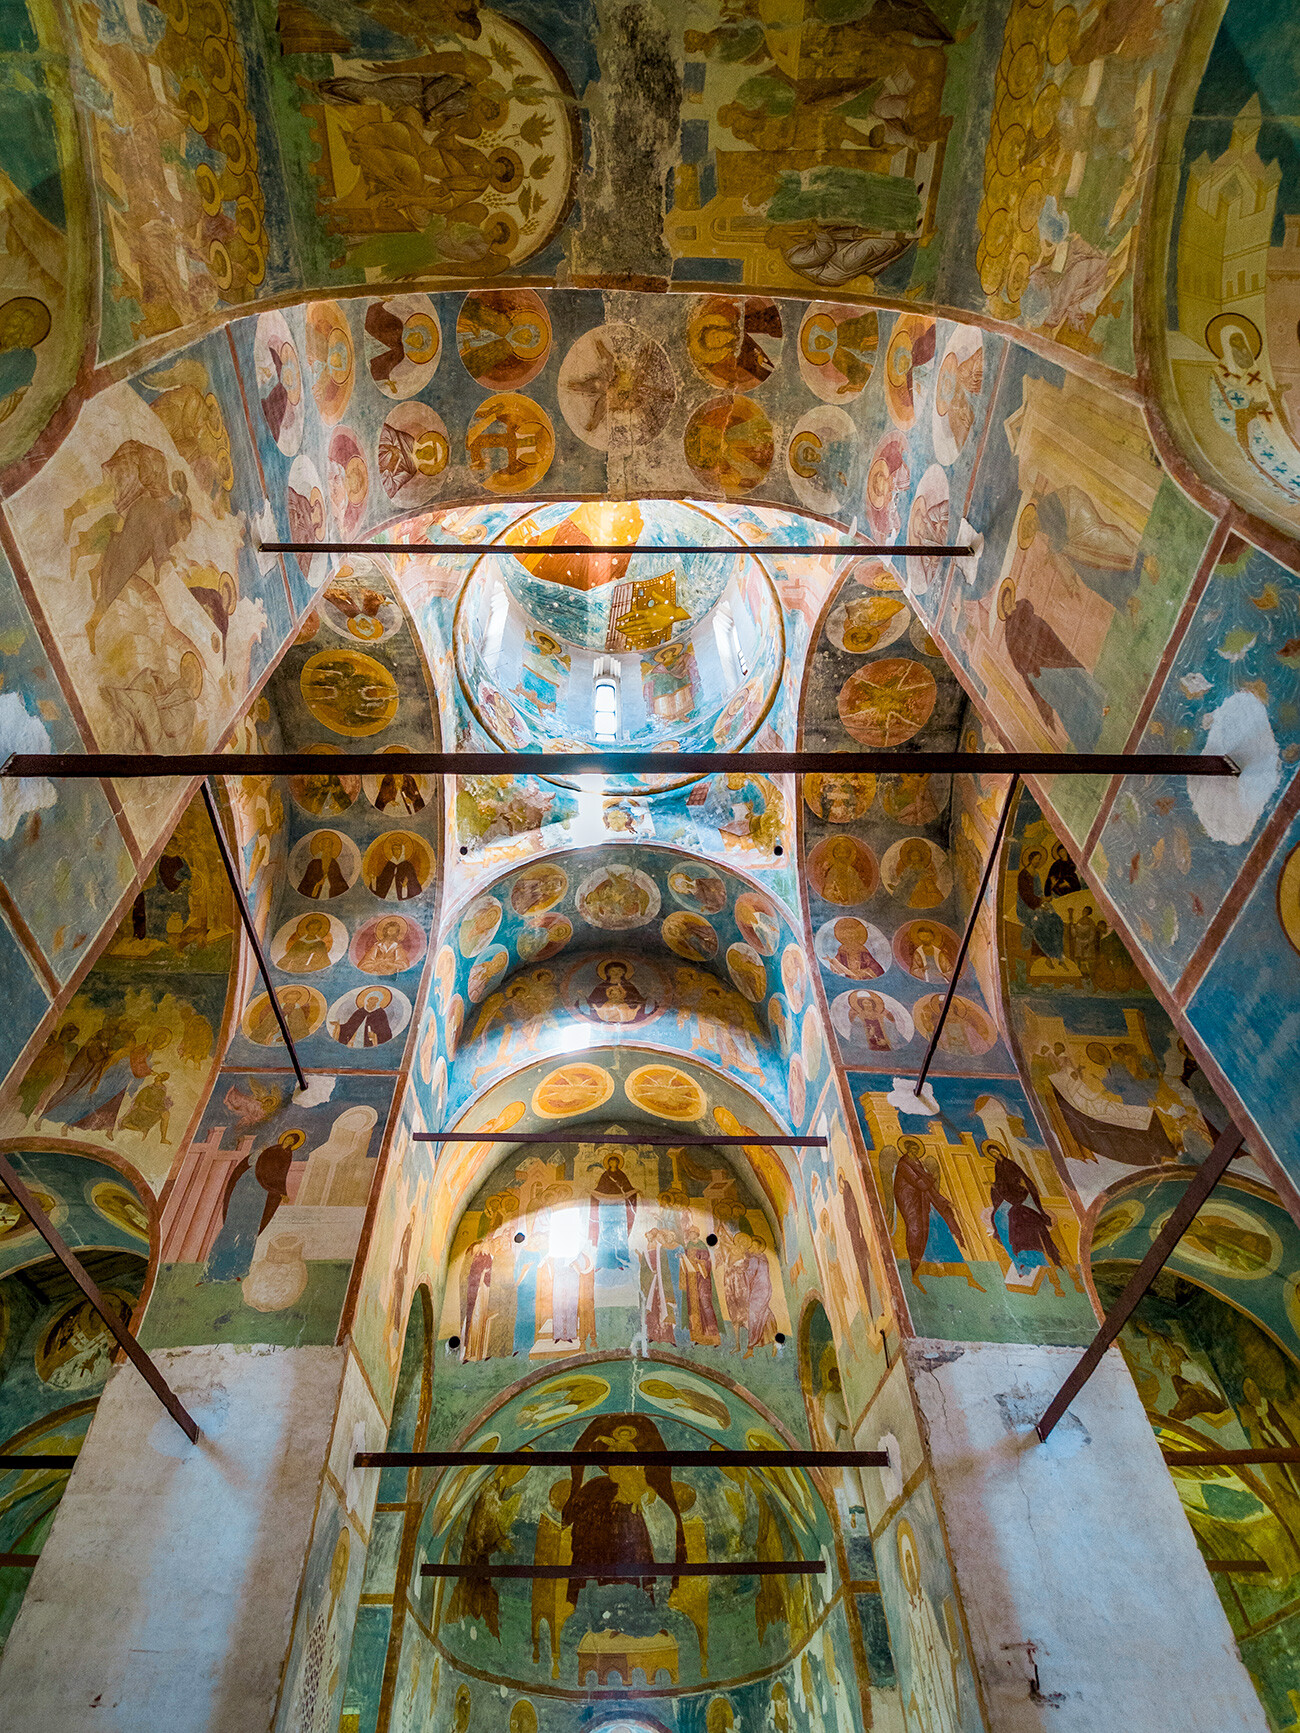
(164, 1598)
(1087, 1601)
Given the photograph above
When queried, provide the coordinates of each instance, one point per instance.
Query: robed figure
(614, 1203)
(615, 1518)
(254, 1192)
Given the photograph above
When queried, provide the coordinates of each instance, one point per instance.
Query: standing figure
(614, 1203)
(931, 1230)
(254, 1192)
(1019, 1219)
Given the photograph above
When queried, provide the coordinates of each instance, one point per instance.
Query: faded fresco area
(1226, 302)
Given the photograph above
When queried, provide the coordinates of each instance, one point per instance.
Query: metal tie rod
(1229, 1458)
(695, 1137)
(621, 1458)
(22, 1460)
(590, 1569)
(566, 764)
(522, 550)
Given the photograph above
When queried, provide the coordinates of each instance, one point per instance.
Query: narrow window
(605, 700)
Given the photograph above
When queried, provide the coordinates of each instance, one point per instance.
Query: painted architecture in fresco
(1012, 286)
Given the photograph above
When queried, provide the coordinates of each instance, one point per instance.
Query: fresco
(983, 1230)
(935, 1679)
(671, 1636)
(647, 942)
(266, 1210)
(1089, 550)
(183, 143)
(1234, 1008)
(1172, 848)
(45, 280)
(1212, 1350)
(161, 613)
(1223, 296)
(883, 898)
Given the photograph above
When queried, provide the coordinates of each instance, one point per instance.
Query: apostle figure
(931, 1229)
(397, 880)
(368, 1025)
(254, 1192)
(1019, 1219)
(323, 877)
(614, 1203)
(307, 949)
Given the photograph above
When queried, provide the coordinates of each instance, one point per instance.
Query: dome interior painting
(611, 1243)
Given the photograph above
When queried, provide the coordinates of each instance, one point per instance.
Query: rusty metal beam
(23, 1560)
(1203, 1181)
(616, 1458)
(810, 550)
(612, 1573)
(27, 1461)
(969, 934)
(694, 1138)
(246, 916)
(124, 1339)
(1227, 1458)
(550, 765)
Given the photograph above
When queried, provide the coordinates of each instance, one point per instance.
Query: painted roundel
(888, 479)
(397, 792)
(503, 337)
(969, 1029)
(510, 443)
(853, 948)
(794, 977)
(887, 702)
(696, 887)
(616, 388)
(349, 692)
(478, 925)
(616, 992)
(309, 943)
(369, 1016)
(329, 792)
(618, 898)
(403, 344)
(412, 453)
(306, 506)
(324, 864)
(729, 444)
(759, 923)
(837, 798)
(911, 347)
(735, 341)
(356, 605)
(1288, 898)
(927, 951)
(960, 381)
(304, 1012)
(537, 889)
(330, 358)
(387, 945)
(871, 1020)
(842, 870)
(820, 457)
(927, 524)
(577, 1088)
(837, 350)
(690, 936)
(397, 866)
(545, 936)
(745, 967)
(278, 371)
(916, 873)
(666, 1092)
(349, 480)
(861, 624)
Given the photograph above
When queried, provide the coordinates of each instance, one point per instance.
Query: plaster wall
(1087, 1601)
(164, 1598)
